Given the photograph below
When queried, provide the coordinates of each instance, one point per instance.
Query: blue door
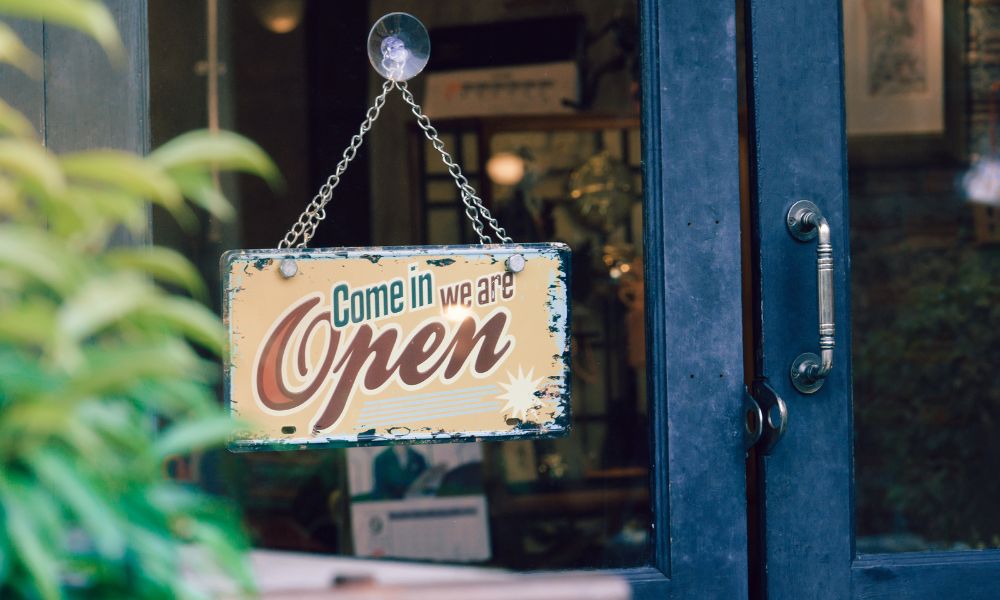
(878, 116)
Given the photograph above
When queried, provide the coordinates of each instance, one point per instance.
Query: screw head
(288, 268)
(515, 263)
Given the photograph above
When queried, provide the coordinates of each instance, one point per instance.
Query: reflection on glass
(925, 273)
(577, 501)
(582, 500)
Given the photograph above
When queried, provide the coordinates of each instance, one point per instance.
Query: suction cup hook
(398, 46)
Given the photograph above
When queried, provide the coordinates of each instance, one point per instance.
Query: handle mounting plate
(803, 365)
(801, 228)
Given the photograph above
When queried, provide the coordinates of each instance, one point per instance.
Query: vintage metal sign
(370, 345)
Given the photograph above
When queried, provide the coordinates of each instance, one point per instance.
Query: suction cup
(398, 46)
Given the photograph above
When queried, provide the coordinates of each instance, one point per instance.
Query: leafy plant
(102, 368)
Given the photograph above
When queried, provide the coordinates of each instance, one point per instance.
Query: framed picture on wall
(904, 80)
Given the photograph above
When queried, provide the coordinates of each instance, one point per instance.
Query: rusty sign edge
(560, 427)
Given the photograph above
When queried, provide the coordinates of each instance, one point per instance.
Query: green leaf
(221, 150)
(38, 560)
(96, 514)
(35, 167)
(89, 16)
(156, 552)
(101, 301)
(112, 372)
(5, 560)
(187, 317)
(121, 428)
(31, 422)
(12, 204)
(201, 189)
(231, 558)
(32, 324)
(41, 509)
(181, 397)
(100, 211)
(13, 122)
(164, 264)
(124, 171)
(33, 254)
(190, 436)
(14, 52)
(21, 374)
(172, 499)
(127, 208)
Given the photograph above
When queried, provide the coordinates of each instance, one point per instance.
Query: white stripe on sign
(416, 412)
(421, 405)
(485, 389)
(472, 409)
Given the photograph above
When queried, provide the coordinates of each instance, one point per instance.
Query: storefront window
(922, 94)
(539, 104)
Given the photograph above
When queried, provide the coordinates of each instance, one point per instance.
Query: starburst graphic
(520, 394)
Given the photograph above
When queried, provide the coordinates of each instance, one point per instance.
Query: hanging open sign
(359, 346)
(368, 345)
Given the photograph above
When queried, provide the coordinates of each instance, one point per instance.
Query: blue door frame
(694, 308)
(693, 276)
(805, 486)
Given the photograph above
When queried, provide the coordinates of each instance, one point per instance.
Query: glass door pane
(294, 78)
(922, 90)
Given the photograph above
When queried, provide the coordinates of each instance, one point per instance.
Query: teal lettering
(357, 306)
(340, 315)
(396, 295)
(377, 301)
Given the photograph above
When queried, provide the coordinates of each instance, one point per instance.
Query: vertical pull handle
(805, 221)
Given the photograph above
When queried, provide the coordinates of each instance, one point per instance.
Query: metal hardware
(772, 414)
(470, 198)
(515, 263)
(288, 268)
(305, 228)
(753, 421)
(805, 221)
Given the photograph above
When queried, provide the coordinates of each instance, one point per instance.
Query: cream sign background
(371, 345)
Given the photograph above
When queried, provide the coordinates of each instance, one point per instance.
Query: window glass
(539, 103)
(922, 97)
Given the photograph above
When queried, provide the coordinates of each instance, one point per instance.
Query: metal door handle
(805, 221)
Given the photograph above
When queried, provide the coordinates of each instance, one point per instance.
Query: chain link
(305, 228)
(474, 207)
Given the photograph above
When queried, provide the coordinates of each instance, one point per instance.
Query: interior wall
(391, 190)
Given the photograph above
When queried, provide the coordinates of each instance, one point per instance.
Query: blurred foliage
(927, 399)
(102, 368)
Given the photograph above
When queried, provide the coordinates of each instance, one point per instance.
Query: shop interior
(539, 101)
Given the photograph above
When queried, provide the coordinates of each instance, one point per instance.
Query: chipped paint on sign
(365, 346)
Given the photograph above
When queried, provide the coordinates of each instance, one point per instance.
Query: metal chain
(474, 208)
(305, 228)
